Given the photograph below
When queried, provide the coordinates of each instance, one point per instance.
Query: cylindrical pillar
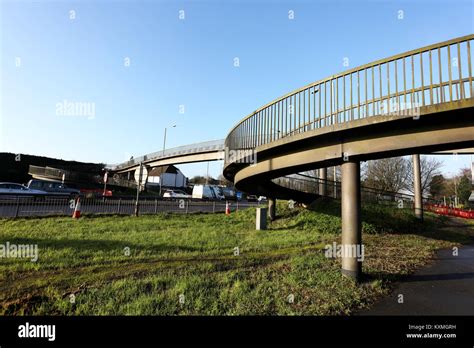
(271, 208)
(351, 224)
(323, 174)
(335, 182)
(417, 186)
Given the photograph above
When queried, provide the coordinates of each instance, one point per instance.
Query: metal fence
(330, 188)
(399, 85)
(17, 206)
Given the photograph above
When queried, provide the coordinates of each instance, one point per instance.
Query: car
(53, 187)
(175, 194)
(14, 189)
(252, 198)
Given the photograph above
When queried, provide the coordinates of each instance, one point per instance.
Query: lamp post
(164, 148)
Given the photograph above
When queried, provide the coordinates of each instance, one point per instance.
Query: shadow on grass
(95, 245)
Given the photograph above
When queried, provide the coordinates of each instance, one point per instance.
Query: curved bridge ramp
(415, 102)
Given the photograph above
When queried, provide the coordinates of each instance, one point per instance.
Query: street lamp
(164, 139)
(164, 148)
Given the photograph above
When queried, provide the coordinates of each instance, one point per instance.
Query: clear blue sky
(186, 62)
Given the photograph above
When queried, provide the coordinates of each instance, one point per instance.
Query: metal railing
(19, 206)
(333, 189)
(208, 146)
(398, 85)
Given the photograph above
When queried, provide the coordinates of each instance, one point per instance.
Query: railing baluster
(388, 87)
(412, 99)
(309, 108)
(314, 106)
(299, 112)
(358, 95)
(469, 66)
(397, 96)
(337, 100)
(450, 74)
(373, 91)
(380, 85)
(404, 83)
(325, 102)
(351, 114)
(366, 105)
(431, 79)
(344, 97)
(441, 87)
(461, 84)
(319, 116)
(330, 101)
(422, 81)
(305, 125)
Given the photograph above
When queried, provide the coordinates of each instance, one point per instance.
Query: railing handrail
(356, 69)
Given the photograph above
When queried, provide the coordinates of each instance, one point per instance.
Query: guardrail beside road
(18, 206)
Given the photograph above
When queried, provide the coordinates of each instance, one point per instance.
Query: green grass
(193, 255)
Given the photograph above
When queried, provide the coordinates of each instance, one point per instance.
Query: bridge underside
(442, 127)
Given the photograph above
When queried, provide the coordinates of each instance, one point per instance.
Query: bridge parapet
(398, 85)
(208, 146)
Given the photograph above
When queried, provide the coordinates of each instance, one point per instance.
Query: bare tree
(430, 167)
(388, 174)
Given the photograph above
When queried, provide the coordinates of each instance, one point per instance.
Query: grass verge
(211, 264)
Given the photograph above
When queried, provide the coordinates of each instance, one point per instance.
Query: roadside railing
(331, 188)
(399, 85)
(18, 206)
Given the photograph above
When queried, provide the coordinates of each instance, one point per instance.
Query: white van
(207, 192)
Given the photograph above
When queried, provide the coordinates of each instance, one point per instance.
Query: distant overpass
(198, 152)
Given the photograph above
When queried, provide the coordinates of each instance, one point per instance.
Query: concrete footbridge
(198, 152)
(420, 101)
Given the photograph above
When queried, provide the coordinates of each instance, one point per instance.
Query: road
(445, 287)
(63, 206)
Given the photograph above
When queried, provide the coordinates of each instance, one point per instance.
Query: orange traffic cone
(227, 208)
(77, 209)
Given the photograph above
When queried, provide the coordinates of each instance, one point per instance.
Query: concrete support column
(351, 224)
(417, 186)
(334, 175)
(271, 208)
(323, 174)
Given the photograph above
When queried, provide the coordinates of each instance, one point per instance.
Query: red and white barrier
(445, 210)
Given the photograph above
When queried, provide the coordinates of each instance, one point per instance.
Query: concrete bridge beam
(351, 223)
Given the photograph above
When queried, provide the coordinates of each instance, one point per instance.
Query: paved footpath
(445, 287)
